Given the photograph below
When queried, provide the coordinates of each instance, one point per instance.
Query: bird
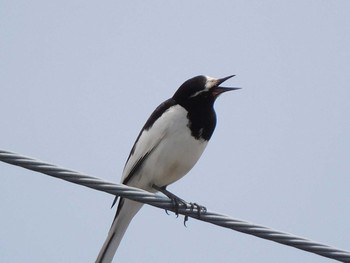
(167, 147)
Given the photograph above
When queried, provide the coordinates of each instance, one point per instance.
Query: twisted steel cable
(186, 210)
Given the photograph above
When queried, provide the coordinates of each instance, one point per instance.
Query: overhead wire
(187, 210)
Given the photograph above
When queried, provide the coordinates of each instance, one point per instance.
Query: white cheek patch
(211, 82)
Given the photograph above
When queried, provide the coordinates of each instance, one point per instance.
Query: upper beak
(218, 90)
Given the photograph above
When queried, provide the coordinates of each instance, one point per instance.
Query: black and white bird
(168, 146)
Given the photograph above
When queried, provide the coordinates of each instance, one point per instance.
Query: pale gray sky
(80, 78)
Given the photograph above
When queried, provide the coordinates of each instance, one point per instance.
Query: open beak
(217, 90)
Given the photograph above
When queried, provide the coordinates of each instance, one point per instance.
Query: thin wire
(163, 202)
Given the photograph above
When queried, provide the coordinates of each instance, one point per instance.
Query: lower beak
(218, 90)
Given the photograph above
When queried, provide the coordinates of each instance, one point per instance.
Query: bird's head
(201, 90)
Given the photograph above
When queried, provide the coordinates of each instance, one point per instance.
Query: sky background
(79, 78)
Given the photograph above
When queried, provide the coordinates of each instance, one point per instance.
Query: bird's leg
(174, 198)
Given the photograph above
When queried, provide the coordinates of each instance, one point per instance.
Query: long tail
(126, 210)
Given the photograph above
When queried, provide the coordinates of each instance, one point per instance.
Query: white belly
(176, 153)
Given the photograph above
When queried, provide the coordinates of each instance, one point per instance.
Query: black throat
(202, 118)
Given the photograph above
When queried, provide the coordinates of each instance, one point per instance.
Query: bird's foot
(200, 210)
(177, 202)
